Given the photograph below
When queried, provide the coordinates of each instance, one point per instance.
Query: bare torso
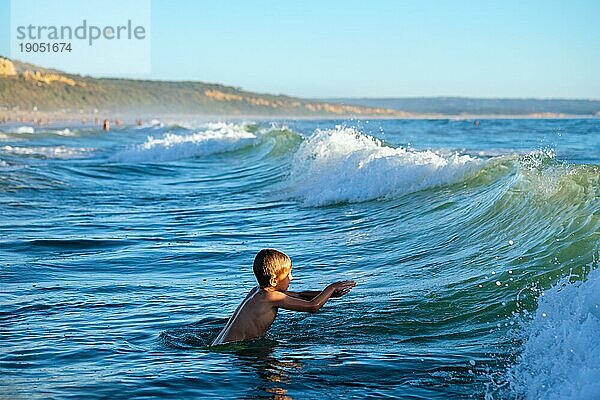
(251, 319)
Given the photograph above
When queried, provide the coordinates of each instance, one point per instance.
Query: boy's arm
(311, 294)
(305, 295)
(282, 300)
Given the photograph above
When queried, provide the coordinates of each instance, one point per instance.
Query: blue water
(474, 250)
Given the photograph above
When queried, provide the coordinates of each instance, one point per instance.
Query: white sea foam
(343, 165)
(30, 130)
(60, 152)
(64, 132)
(560, 358)
(217, 138)
(21, 129)
(153, 124)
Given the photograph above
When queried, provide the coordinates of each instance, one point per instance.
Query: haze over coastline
(26, 88)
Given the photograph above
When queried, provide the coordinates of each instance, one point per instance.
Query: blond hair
(270, 264)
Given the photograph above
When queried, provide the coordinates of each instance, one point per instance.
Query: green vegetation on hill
(24, 87)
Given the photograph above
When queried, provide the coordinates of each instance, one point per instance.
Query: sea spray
(343, 165)
(560, 358)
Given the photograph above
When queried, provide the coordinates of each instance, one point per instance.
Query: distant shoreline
(37, 95)
(41, 118)
(483, 107)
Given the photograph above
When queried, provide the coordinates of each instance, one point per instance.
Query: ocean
(475, 249)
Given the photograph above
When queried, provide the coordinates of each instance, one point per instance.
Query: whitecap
(344, 165)
(217, 138)
(59, 152)
(560, 358)
(21, 130)
(64, 132)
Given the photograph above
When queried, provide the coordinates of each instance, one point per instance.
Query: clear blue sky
(377, 48)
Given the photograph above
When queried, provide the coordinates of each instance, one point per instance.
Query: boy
(254, 316)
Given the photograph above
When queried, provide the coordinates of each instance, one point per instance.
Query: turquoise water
(474, 251)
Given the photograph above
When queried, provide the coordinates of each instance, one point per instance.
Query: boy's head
(272, 267)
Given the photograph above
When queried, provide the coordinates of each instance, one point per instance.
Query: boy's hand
(342, 287)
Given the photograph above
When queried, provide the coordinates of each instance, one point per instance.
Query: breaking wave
(50, 152)
(216, 138)
(560, 358)
(343, 165)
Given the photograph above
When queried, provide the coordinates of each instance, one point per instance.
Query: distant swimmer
(106, 125)
(254, 316)
(476, 123)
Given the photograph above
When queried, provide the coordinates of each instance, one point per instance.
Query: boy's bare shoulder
(261, 296)
(274, 295)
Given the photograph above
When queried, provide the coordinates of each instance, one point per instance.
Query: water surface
(124, 253)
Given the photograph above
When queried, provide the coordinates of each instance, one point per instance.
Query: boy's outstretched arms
(301, 301)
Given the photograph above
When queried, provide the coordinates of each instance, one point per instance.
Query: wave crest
(561, 354)
(19, 130)
(50, 152)
(218, 138)
(214, 139)
(343, 165)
